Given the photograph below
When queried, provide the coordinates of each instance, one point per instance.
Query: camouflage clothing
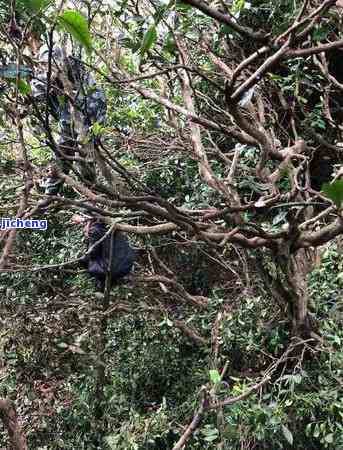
(88, 104)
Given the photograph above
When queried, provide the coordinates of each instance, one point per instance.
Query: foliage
(335, 192)
(76, 24)
(205, 160)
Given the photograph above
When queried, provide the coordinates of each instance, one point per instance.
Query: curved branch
(227, 20)
(320, 237)
(303, 52)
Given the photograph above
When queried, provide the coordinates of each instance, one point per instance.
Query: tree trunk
(9, 418)
(300, 266)
(288, 286)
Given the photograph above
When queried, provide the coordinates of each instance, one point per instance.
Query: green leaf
(237, 6)
(211, 438)
(76, 24)
(149, 40)
(33, 6)
(211, 434)
(319, 34)
(97, 129)
(24, 88)
(160, 13)
(334, 191)
(288, 435)
(169, 43)
(10, 73)
(316, 432)
(297, 378)
(183, 7)
(62, 345)
(214, 376)
(329, 438)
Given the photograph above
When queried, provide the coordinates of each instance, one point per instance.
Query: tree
(223, 138)
(224, 86)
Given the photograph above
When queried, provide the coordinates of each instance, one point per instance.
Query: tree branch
(227, 20)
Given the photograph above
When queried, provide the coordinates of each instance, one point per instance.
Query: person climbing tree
(77, 104)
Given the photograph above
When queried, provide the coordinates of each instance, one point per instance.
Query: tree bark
(287, 284)
(300, 266)
(9, 418)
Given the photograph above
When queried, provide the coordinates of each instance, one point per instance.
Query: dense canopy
(210, 134)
